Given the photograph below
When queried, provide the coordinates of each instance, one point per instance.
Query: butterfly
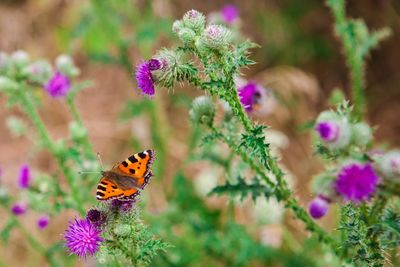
(125, 180)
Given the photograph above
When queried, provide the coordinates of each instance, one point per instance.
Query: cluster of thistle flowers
(85, 236)
(20, 207)
(358, 172)
(17, 66)
(168, 66)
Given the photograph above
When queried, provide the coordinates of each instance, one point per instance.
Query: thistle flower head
(356, 181)
(82, 238)
(20, 58)
(333, 130)
(194, 20)
(328, 131)
(250, 96)
(318, 207)
(19, 208)
(389, 164)
(65, 65)
(121, 205)
(202, 111)
(154, 64)
(361, 133)
(216, 36)
(24, 177)
(43, 221)
(58, 85)
(96, 217)
(38, 71)
(144, 78)
(229, 13)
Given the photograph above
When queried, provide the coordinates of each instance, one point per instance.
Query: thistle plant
(210, 60)
(25, 83)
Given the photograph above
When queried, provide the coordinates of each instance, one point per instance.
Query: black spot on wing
(101, 187)
(142, 155)
(132, 171)
(100, 194)
(114, 187)
(124, 163)
(132, 159)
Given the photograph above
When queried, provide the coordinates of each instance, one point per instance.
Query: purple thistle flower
(229, 13)
(19, 208)
(250, 96)
(318, 207)
(124, 206)
(43, 221)
(356, 182)
(328, 131)
(96, 217)
(24, 177)
(144, 78)
(58, 85)
(82, 238)
(154, 64)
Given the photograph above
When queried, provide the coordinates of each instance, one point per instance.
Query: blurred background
(299, 59)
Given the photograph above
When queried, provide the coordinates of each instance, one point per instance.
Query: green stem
(280, 188)
(31, 112)
(75, 114)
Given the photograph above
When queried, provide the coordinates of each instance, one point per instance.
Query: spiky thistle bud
(361, 133)
(216, 37)
(333, 130)
(202, 110)
(187, 36)
(65, 65)
(20, 58)
(38, 72)
(389, 164)
(195, 21)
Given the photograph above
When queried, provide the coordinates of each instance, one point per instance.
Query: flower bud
(38, 72)
(77, 131)
(202, 110)
(66, 66)
(318, 207)
(19, 208)
(20, 58)
(216, 37)
(333, 130)
(194, 20)
(24, 177)
(361, 134)
(389, 164)
(122, 230)
(187, 36)
(43, 221)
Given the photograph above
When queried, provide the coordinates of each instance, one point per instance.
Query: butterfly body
(125, 180)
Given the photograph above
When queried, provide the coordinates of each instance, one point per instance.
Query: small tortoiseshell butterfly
(125, 179)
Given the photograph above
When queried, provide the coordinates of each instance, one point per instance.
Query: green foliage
(357, 41)
(240, 188)
(128, 241)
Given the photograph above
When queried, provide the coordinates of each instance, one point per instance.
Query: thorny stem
(32, 113)
(280, 188)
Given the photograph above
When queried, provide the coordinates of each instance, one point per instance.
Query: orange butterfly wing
(108, 190)
(114, 183)
(138, 166)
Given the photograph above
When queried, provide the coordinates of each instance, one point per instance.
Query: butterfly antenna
(83, 172)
